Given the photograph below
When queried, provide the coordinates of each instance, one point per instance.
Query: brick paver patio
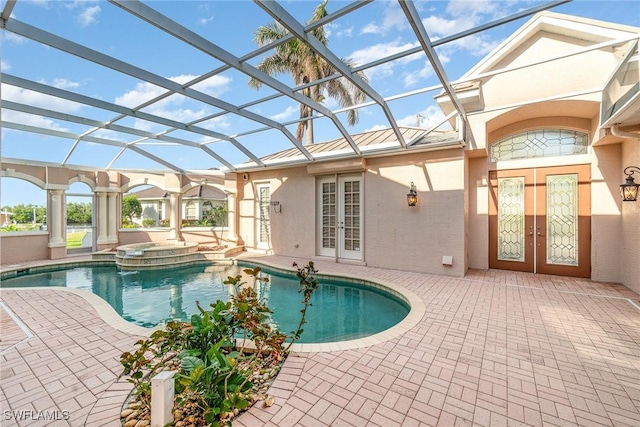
(493, 348)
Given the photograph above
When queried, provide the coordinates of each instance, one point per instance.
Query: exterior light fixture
(412, 195)
(277, 207)
(629, 190)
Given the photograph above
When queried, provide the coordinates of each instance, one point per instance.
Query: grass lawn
(74, 240)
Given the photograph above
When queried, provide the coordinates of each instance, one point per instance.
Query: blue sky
(374, 31)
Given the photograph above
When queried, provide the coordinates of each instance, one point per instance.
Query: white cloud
(37, 99)
(112, 136)
(205, 21)
(393, 19)
(145, 91)
(4, 65)
(371, 28)
(142, 93)
(12, 38)
(32, 120)
(217, 124)
(289, 113)
(382, 50)
(376, 127)
(474, 8)
(65, 84)
(415, 78)
(171, 107)
(334, 29)
(465, 15)
(88, 16)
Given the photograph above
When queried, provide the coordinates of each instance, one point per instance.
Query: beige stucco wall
(606, 223)
(292, 230)
(478, 223)
(395, 235)
(630, 236)
(416, 238)
(17, 248)
(570, 75)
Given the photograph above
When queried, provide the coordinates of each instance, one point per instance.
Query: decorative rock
(143, 423)
(126, 413)
(131, 423)
(269, 401)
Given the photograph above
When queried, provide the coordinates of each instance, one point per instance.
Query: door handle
(531, 231)
(341, 225)
(539, 233)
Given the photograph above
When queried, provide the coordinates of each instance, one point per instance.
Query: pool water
(340, 310)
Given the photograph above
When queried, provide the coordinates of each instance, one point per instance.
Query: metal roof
(195, 134)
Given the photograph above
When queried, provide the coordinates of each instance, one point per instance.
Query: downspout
(615, 131)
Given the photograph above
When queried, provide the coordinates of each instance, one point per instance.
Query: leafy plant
(131, 207)
(217, 369)
(148, 222)
(308, 284)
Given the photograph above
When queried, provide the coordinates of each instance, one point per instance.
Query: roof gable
(554, 27)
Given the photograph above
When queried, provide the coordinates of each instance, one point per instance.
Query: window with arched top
(539, 143)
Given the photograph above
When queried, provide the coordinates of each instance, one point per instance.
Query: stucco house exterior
(530, 182)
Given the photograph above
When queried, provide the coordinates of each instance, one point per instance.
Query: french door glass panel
(340, 217)
(511, 240)
(562, 219)
(328, 215)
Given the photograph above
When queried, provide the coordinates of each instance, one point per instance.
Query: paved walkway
(493, 348)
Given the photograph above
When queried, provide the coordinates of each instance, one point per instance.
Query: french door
(340, 216)
(539, 220)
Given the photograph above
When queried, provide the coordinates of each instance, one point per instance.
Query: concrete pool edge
(108, 314)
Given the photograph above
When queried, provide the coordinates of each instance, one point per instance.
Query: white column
(55, 220)
(102, 218)
(231, 217)
(175, 219)
(112, 218)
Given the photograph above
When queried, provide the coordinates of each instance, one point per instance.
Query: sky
(374, 31)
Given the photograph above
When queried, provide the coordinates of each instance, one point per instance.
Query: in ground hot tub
(156, 255)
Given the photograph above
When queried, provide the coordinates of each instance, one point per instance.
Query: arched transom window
(539, 143)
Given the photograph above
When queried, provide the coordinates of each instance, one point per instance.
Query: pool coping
(417, 308)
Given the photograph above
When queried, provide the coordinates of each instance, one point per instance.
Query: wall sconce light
(277, 208)
(412, 195)
(629, 190)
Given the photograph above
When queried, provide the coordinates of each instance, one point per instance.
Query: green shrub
(148, 222)
(218, 377)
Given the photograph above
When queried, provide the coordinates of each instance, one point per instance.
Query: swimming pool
(341, 309)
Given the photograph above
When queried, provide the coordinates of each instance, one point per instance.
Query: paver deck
(493, 348)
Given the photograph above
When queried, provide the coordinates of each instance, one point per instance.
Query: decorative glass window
(540, 143)
(264, 223)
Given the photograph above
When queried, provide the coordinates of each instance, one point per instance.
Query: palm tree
(305, 66)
